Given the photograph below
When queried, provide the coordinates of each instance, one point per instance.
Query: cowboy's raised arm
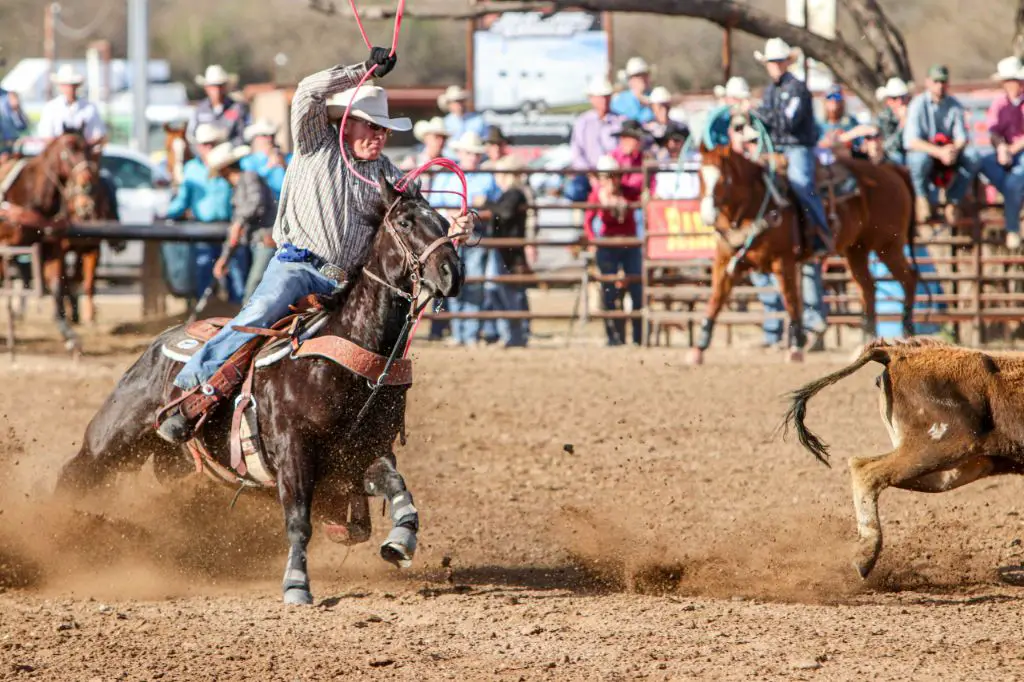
(311, 127)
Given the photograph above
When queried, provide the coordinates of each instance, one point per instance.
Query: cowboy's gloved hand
(380, 57)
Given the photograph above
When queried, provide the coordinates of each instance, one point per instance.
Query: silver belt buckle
(332, 271)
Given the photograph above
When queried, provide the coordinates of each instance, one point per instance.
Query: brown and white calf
(954, 416)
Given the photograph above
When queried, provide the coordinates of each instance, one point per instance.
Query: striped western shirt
(323, 206)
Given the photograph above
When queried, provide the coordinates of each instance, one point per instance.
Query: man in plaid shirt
(326, 219)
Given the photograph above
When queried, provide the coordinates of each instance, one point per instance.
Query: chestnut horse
(761, 229)
(308, 409)
(178, 151)
(41, 194)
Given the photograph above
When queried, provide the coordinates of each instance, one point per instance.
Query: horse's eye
(404, 224)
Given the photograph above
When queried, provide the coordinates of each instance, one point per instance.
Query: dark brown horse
(41, 195)
(761, 229)
(307, 408)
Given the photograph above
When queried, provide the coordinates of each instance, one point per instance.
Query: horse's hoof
(865, 563)
(346, 534)
(399, 548)
(298, 596)
(695, 357)
(795, 355)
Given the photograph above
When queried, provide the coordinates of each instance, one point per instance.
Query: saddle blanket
(187, 340)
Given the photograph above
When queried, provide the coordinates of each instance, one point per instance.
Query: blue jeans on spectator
(577, 188)
(609, 261)
(812, 290)
(800, 166)
(470, 298)
(500, 296)
(921, 165)
(238, 270)
(283, 283)
(261, 256)
(1010, 183)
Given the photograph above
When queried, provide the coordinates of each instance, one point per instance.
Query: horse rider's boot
(177, 421)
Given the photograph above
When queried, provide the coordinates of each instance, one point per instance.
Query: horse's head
(412, 249)
(72, 165)
(178, 152)
(728, 182)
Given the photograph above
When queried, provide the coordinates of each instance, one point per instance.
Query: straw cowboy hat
(1009, 69)
(453, 93)
(261, 127)
(660, 95)
(600, 86)
(216, 75)
(433, 126)
(224, 155)
(775, 50)
(66, 75)
(895, 87)
(470, 142)
(208, 133)
(736, 87)
(636, 66)
(369, 103)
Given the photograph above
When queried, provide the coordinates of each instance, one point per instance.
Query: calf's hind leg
(934, 471)
(382, 478)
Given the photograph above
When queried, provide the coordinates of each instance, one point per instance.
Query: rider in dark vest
(788, 114)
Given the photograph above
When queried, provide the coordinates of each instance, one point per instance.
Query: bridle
(69, 189)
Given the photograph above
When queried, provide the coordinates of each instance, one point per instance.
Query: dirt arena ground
(675, 539)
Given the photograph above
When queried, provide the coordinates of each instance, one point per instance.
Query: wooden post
(154, 289)
(470, 53)
(726, 54)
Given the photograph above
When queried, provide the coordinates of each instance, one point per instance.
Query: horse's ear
(167, 128)
(387, 191)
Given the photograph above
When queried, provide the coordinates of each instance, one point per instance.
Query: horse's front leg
(56, 277)
(785, 270)
(295, 483)
(382, 478)
(721, 285)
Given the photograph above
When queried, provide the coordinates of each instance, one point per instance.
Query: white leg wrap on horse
(403, 511)
(400, 546)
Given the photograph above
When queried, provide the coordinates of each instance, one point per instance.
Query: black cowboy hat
(495, 136)
(675, 130)
(631, 128)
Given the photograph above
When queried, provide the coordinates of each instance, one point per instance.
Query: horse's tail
(877, 352)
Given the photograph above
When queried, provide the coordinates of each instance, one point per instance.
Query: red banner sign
(676, 232)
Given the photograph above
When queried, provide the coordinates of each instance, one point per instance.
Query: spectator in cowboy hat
(12, 120)
(68, 110)
(458, 119)
(209, 201)
(936, 137)
(634, 102)
(265, 158)
(661, 103)
(735, 93)
(593, 136)
(629, 153)
(1004, 167)
(217, 107)
(497, 146)
(480, 189)
(253, 209)
(433, 134)
(896, 95)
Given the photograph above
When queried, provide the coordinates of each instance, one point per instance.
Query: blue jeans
(1010, 183)
(261, 256)
(921, 165)
(283, 283)
(812, 290)
(471, 297)
(500, 296)
(238, 270)
(631, 261)
(800, 166)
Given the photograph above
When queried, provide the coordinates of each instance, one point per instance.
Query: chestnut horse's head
(730, 184)
(77, 169)
(412, 251)
(178, 152)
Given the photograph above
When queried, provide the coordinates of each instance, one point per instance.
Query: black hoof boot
(175, 428)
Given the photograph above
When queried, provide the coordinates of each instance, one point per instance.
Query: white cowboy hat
(636, 66)
(1008, 69)
(895, 87)
(260, 127)
(225, 154)
(453, 93)
(600, 87)
(66, 75)
(775, 50)
(216, 75)
(208, 133)
(737, 87)
(607, 163)
(469, 142)
(369, 103)
(433, 126)
(660, 95)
